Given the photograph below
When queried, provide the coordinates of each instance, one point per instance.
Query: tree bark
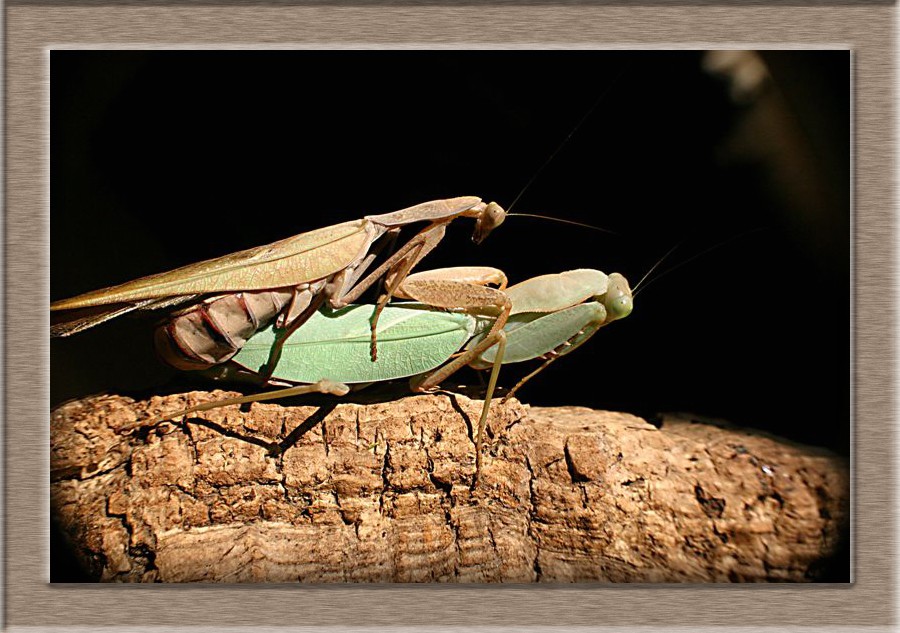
(350, 492)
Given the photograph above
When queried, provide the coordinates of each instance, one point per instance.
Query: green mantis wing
(335, 345)
(553, 292)
(548, 316)
(530, 336)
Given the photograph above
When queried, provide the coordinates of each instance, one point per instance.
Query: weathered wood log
(382, 493)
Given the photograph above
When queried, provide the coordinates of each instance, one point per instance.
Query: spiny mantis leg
(485, 408)
(451, 294)
(390, 243)
(390, 287)
(416, 244)
(568, 346)
(440, 374)
(323, 386)
(346, 283)
(394, 270)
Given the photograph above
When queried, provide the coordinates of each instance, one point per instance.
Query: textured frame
(31, 29)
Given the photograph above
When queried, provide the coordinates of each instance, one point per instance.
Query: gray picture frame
(33, 28)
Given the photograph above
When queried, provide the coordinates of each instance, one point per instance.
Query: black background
(159, 159)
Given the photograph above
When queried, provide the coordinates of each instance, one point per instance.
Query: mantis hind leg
(322, 386)
(568, 346)
(486, 407)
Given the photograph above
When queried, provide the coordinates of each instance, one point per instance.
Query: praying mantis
(332, 267)
(544, 317)
(287, 281)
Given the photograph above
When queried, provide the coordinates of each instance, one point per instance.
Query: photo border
(32, 29)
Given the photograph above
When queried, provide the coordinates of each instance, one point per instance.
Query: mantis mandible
(236, 295)
(544, 318)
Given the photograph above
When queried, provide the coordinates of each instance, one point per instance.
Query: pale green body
(551, 316)
(334, 344)
(548, 317)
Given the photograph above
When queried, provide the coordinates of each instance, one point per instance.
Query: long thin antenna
(561, 220)
(654, 267)
(689, 260)
(566, 140)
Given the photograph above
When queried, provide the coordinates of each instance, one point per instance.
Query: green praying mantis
(545, 318)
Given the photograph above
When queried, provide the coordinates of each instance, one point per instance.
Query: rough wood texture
(381, 493)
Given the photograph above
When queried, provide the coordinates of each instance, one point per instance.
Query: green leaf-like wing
(531, 335)
(335, 344)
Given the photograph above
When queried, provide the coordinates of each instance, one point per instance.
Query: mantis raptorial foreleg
(553, 315)
(394, 272)
(465, 289)
(346, 287)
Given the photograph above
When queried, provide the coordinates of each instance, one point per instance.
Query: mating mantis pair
(235, 296)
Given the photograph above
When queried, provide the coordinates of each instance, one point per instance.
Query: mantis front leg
(466, 289)
(345, 287)
(395, 271)
(555, 314)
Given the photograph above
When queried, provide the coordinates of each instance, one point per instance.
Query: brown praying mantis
(236, 295)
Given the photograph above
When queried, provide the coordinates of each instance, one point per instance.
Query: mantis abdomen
(214, 330)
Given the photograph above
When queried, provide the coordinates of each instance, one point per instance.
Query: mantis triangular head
(618, 298)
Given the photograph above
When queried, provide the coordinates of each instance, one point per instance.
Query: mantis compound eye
(489, 219)
(620, 307)
(618, 302)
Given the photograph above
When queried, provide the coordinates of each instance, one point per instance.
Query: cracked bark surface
(381, 493)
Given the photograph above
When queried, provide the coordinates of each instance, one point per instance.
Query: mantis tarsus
(237, 294)
(546, 317)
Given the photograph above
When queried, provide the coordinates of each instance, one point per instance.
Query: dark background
(159, 159)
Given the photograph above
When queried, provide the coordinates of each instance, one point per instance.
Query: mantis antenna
(639, 287)
(550, 158)
(565, 141)
(656, 265)
(551, 218)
